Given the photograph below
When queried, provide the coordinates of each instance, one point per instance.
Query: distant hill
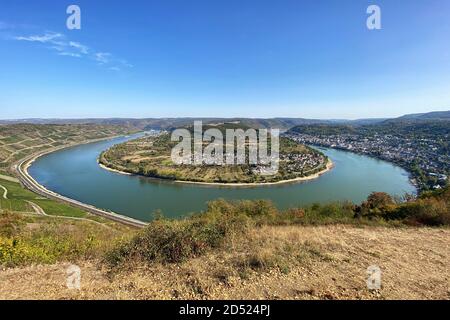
(170, 123)
(426, 124)
(436, 115)
(367, 121)
(280, 123)
(425, 127)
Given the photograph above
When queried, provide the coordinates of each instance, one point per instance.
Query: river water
(74, 173)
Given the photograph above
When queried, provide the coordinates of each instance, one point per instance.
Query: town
(424, 157)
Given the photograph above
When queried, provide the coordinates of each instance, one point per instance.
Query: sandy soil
(113, 170)
(415, 264)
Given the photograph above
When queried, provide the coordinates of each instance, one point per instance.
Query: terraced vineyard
(20, 140)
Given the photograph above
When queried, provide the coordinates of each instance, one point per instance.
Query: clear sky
(223, 58)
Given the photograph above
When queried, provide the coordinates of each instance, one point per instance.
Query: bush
(48, 241)
(376, 205)
(14, 252)
(171, 241)
(329, 213)
(261, 260)
(429, 212)
(10, 224)
(47, 247)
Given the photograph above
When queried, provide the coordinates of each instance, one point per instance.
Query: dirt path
(38, 210)
(5, 192)
(8, 178)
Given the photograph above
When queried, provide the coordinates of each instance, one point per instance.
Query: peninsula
(150, 156)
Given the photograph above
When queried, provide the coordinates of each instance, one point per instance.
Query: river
(75, 173)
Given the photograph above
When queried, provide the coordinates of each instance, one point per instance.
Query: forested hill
(437, 115)
(424, 128)
(282, 123)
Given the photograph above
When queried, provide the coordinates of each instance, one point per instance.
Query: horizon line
(211, 117)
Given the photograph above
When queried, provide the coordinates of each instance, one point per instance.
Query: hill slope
(331, 264)
(437, 115)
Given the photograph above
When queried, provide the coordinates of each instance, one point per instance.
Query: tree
(377, 203)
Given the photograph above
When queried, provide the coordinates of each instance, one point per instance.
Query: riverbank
(328, 167)
(113, 170)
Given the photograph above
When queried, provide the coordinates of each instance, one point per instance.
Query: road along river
(74, 173)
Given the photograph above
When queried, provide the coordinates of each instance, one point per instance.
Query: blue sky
(224, 58)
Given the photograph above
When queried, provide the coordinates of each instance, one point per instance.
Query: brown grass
(273, 262)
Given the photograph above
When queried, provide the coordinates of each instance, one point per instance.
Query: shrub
(258, 211)
(10, 223)
(295, 213)
(48, 241)
(15, 252)
(171, 241)
(261, 260)
(428, 211)
(335, 212)
(377, 204)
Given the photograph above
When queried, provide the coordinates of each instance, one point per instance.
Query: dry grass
(27, 239)
(291, 262)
